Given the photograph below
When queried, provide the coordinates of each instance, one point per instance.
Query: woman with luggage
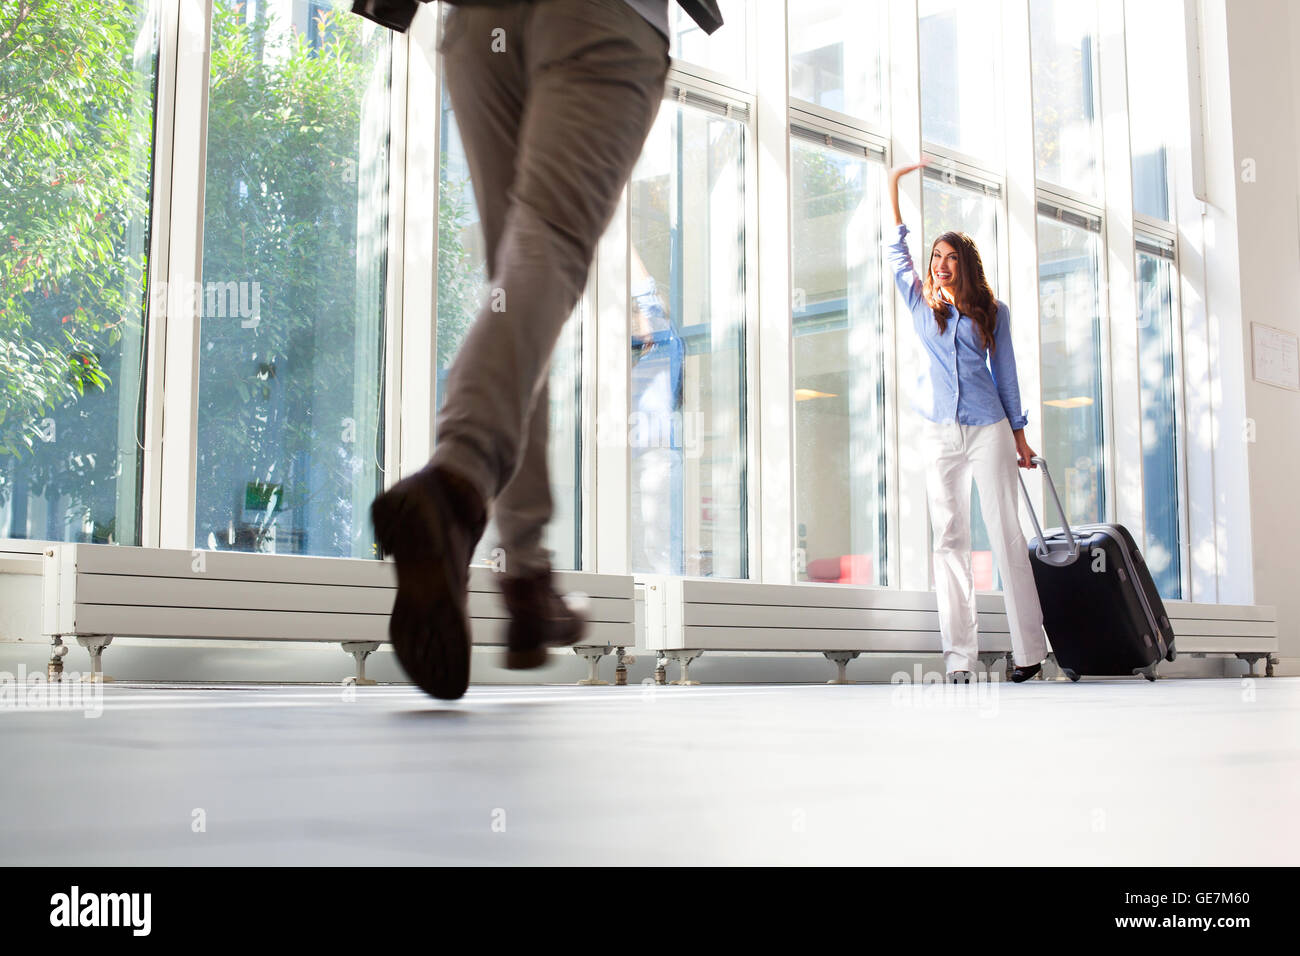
(968, 393)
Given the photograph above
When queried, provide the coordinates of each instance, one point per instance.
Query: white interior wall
(1264, 104)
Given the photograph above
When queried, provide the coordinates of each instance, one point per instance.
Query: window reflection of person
(655, 429)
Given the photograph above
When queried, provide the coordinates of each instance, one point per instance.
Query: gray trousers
(554, 101)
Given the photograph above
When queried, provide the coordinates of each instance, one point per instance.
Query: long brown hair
(973, 294)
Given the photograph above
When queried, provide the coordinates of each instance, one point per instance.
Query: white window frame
(171, 486)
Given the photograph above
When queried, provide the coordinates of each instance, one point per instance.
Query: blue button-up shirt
(957, 384)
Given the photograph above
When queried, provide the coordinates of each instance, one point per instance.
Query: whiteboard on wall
(1276, 356)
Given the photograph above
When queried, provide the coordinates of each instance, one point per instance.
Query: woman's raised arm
(900, 260)
(895, 174)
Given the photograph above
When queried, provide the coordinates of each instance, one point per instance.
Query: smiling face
(945, 266)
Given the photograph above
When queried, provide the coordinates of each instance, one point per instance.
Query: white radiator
(1245, 630)
(93, 592)
(687, 616)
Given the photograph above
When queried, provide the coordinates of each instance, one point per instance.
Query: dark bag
(705, 13)
(394, 14)
(398, 14)
(1101, 610)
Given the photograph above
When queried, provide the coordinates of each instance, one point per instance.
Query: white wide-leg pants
(988, 452)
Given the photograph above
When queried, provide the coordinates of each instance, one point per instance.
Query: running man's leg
(595, 74)
(488, 95)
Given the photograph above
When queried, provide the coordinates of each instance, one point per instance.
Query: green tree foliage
(461, 280)
(75, 122)
(287, 176)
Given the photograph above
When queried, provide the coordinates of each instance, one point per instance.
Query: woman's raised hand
(898, 172)
(894, 175)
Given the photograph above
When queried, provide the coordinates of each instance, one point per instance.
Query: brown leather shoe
(429, 523)
(539, 618)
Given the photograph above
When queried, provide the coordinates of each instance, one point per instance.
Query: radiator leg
(95, 645)
(360, 650)
(990, 660)
(661, 669)
(59, 650)
(1251, 660)
(1272, 661)
(620, 669)
(592, 656)
(841, 661)
(684, 658)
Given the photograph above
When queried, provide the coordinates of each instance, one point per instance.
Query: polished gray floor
(1176, 772)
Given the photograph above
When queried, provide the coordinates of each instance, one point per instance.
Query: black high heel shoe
(1022, 674)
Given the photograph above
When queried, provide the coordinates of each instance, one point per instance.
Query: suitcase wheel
(1149, 672)
(1073, 675)
(1172, 655)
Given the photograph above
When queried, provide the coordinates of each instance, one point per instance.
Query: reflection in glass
(959, 93)
(462, 288)
(840, 504)
(290, 423)
(1161, 547)
(76, 145)
(835, 55)
(1063, 45)
(686, 427)
(1069, 284)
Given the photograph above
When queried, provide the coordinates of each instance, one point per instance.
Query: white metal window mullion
(414, 360)
(394, 279)
(772, 511)
(1124, 396)
(150, 428)
(1187, 159)
(892, 573)
(180, 331)
(906, 472)
(609, 500)
(1021, 210)
(588, 335)
(608, 497)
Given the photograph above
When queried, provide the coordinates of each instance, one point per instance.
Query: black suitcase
(1101, 610)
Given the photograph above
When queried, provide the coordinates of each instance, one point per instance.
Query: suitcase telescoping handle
(1055, 552)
